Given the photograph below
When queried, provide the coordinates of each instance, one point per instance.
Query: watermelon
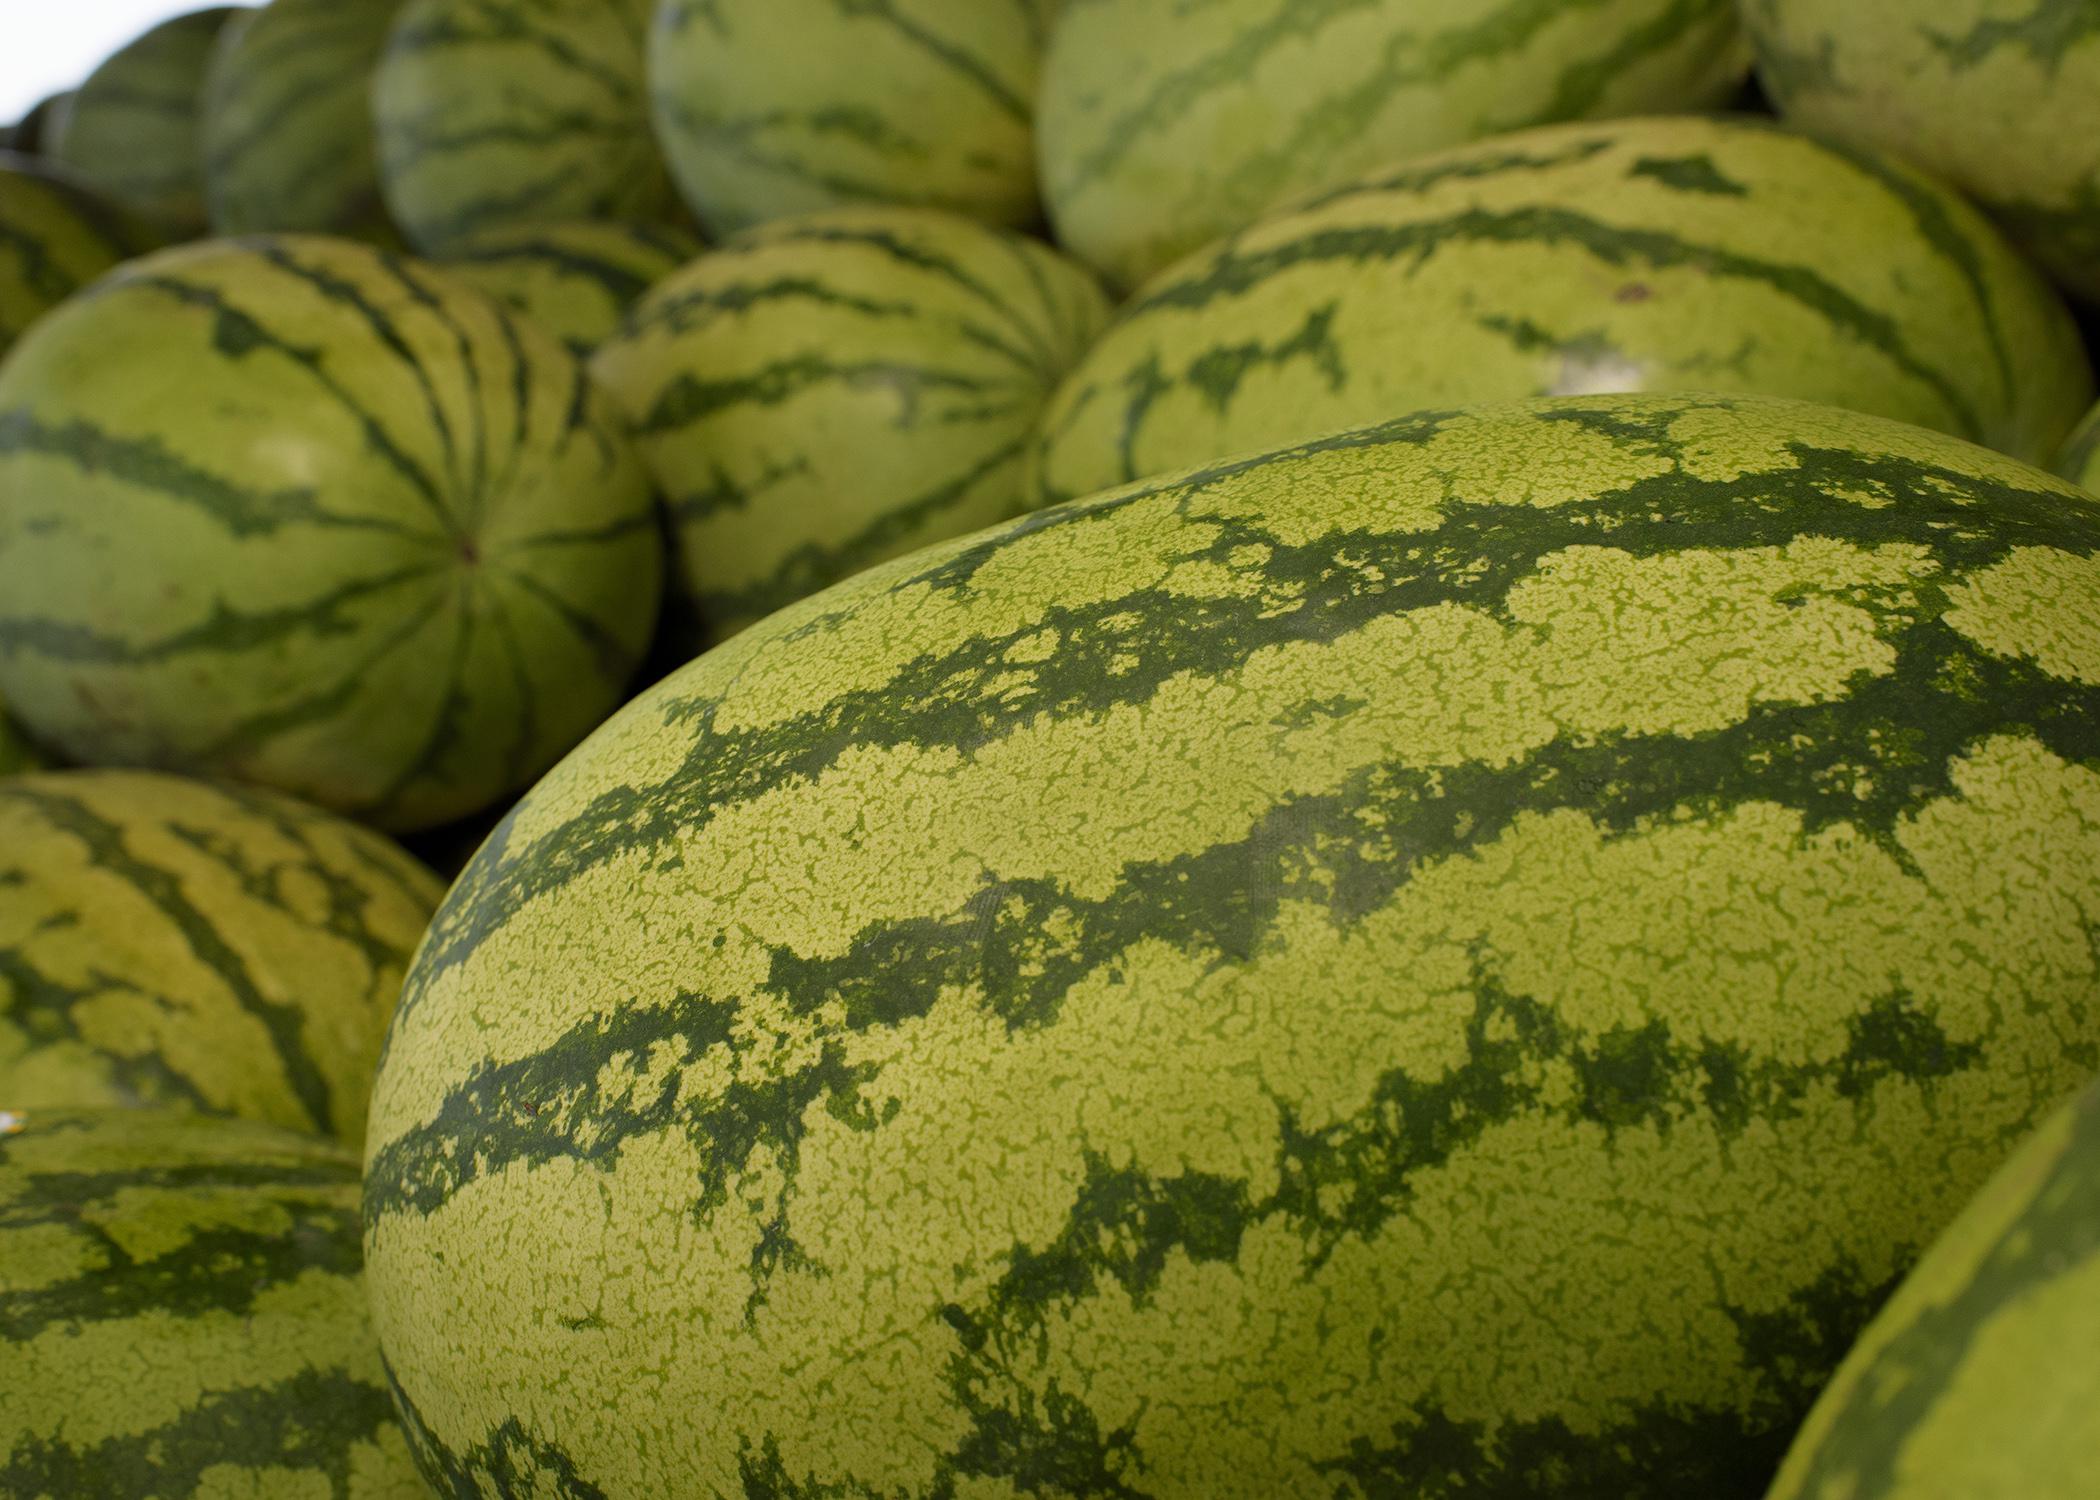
(836, 389)
(217, 948)
(578, 279)
(772, 108)
(1164, 125)
(56, 235)
(293, 511)
(181, 1314)
(1459, 958)
(2003, 100)
(16, 753)
(1665, 254)
(287, 120)
(27, 134)
(131, 129)
(492, 115)
(1982, 1376)
(2079, 461)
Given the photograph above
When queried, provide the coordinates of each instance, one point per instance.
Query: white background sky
(47, 45)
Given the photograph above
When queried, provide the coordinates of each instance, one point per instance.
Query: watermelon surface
(181, 1314)
(209, 947)
(577, 280)
(491, 114)
(2079, 461)
(56, 235)
(28, 134)
(837, 389)
(1982, 1375)
(1164, 125)
(772, 108)
(16, 753)
(1664, 254)
(1459, 959)
(293, 511)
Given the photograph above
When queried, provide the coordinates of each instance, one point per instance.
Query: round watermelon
(1982, 1375)
(771, 108)
(829, 391)
(181, 1314)
(578, 279)
(1664, 254)
(1460, 958)
(294, 511)
(210, 947)
(56, 235)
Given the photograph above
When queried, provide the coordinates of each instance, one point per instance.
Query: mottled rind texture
(1459, 960)
(1999, 97)
(293, 511)
(831, 391)
(181, 1314)
(214, 948)
(56, 235)
(497, 113)
(1981, 1378)
(576, 280)
(1665, 254)
(768, 108)
(1163, 124)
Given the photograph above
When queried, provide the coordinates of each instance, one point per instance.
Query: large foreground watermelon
(576, 280)
(1981, 1378)
(1457, 960)
(216, 948)
(297, 512)
(1665, 254)
(1166, 124)
(56, 235)
(181, 1315)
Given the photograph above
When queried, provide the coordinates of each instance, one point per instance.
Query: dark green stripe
(512, 1461)
(40, 1009)
(1584, 86)
(687, 398)
(2048, 32)
(616, 659)
(949, 54)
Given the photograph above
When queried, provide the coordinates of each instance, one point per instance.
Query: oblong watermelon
(297, 512)
(576, 280)
(56, 235)
(1163, 124)
(214, 948)
(1460, 958)
(1982, 1375)
(836, 389)
(181, 1314)
(1664, 254)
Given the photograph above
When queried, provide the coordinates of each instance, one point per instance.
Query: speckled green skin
(576, 280)
(1460, 960)
(1982, 1375)
(1999, 97)
(56, 235)
(1164, 124)
(1666, 254)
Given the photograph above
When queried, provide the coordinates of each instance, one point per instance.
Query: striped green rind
(577, 280)
(833, 390)
(181, 1314)
(131, 129)
(287, 120)
(297, 512)
(2000, 97)
(1459, 959)
(1665, 254)
(56, 235)
(1164, 125)
(1981, 1377)
(163, 941)
(501, 113)
(772, 108)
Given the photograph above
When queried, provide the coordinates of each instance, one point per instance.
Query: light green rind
(181, 1314)
(56, 235)
(772, 108)
(1981, 1377)
(1665, 254)
(164, 941)
(296, 512)
(1164, 125)
(1462, 959)
(830, 391)
(576, 280)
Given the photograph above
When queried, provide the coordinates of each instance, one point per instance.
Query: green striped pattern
(576, 280)
(1981, 1377)
(287, 124)
(769, 108)
(215, 948)
(830, 391)
(1164, 125)
(294, 511)
(1665, 254)
(496, 113)
(1999, 97)
(131, 130)
(181, 1315)
(1459, 959)
(56, 235)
